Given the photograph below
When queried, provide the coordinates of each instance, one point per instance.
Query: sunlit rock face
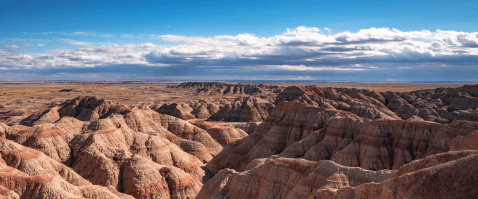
(347, 129)
(102, 148)
(306, 142)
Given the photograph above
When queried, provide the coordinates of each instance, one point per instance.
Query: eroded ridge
(306, 142)
(132, 152)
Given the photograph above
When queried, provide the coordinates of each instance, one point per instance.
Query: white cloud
(74, 42)
(303, 49)
(41, 44)
(12, 47)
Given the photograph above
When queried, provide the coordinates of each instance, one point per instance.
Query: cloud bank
(304, 51)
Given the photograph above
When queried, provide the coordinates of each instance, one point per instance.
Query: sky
(365, 41)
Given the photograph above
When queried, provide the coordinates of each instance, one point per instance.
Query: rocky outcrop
(308, 142)
(432, 177)
(179, 110)
(48, 116)
(288, 123)
(28, 173)
(225, 88)
(298, 130)
(187, 131)
(247, 127)
(131, 151)
(248, 109)
(287, 178)
(3, 130)
(90, 108)
(467, 142)
(442, 105)
(350, 100)
(224, 133)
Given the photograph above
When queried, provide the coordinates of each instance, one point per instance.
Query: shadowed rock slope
(312, 143)
(315, 137)
(247, 109)
(442, 105)
(226, 88)
(298, 130)
(345, 130)
(444, 175)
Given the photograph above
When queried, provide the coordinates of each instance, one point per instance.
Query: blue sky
(239, 40)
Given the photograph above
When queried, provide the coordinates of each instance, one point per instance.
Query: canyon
(233, 140)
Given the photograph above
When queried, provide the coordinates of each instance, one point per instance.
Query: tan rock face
(467, 142)
(287, 178)
(288, 123)
(226, 134)
(431, 177)
(310, 143)
(28, 173)
(180, 110)
(223, 133)
(358, 130)
(250, 109)
(351, 100)
(299, 130)
(48, 116)
(187, 131)
(442, 105)
(90, 108)
(149, 180)
(131, 152)
(247, 109)
(4, 130)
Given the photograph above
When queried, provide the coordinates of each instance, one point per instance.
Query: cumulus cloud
(41, 44)
(309, 46)
(300, 51)
(83, 57)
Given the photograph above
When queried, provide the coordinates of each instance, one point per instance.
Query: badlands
(233, 140)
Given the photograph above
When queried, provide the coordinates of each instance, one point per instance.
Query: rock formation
(140, 153)
(225, 134)
(350, 100)
(3, 130)
(296, 130)
(28, 173)
(180, 110)
(248, 109)
(225, 88)
(432, 177)
(307, 142)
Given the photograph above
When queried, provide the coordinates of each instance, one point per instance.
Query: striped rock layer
(95, 148)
